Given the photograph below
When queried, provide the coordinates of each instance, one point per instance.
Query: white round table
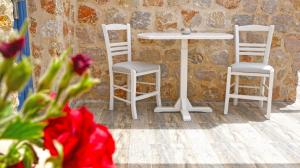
(183, 104)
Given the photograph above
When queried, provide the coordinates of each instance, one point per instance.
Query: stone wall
(6, 15)
(52, 29)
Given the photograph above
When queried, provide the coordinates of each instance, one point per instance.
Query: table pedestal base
(184, 106)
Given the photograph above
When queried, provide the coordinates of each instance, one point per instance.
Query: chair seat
(247, 67)
(139, 67)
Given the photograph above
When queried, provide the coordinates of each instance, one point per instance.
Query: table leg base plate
(184, 109)
(175, 109)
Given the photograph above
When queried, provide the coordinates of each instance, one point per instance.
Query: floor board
(241, 139)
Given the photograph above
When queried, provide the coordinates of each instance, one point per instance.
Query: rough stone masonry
(56, 24)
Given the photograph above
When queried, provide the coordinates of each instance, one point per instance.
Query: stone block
(269, 6)
(202, 3)
(242, 20)
(87, 14)
(140, 20)
(216, 20)
(292, 43)
(166, 21)
(188, 15)
(229, 4)
(153, 3)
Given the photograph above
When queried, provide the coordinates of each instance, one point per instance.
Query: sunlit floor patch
(243, 138)
(193, 146)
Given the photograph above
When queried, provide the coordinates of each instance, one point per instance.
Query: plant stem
(6, 95)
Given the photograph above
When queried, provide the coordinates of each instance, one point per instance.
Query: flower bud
(81, 63)
(18, 76)
(65, 80)
(56, 64)
(54, 112)
(11, 49)
(47, 80)
(35, 103)
(84, 85)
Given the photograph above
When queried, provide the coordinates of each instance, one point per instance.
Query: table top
(179, 36)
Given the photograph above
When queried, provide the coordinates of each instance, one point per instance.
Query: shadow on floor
(120, 117)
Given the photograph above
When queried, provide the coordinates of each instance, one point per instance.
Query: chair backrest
(118, 48)
(253, 49)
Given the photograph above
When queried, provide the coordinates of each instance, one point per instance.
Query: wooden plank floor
(243, 138)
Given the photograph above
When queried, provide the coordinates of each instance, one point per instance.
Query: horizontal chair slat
(249, 74)
(252, 53)
(249, 87)
(248, 97)
(119, 53)
(122, 48)
(251, 49)
(116, 27)
(253, 45)
(147, 72)
(260, 28)
(146, 83)
(118, 44)
(254, 28)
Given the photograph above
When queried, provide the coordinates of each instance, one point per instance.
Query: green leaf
(23, 130)
(7, 114)
(13, 156)
(30, 156)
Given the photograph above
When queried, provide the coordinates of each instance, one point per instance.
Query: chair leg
(111, 94)
(158, 99)
(133, 94)
(236, 89)
(129, 88)
(228, 83)
(270, 92)
(262, 91)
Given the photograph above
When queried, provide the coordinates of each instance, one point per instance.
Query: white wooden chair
(251, 69)
(131, 68)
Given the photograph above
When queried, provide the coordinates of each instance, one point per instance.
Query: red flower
(85, 143)
(81, 63)
(11, 49)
